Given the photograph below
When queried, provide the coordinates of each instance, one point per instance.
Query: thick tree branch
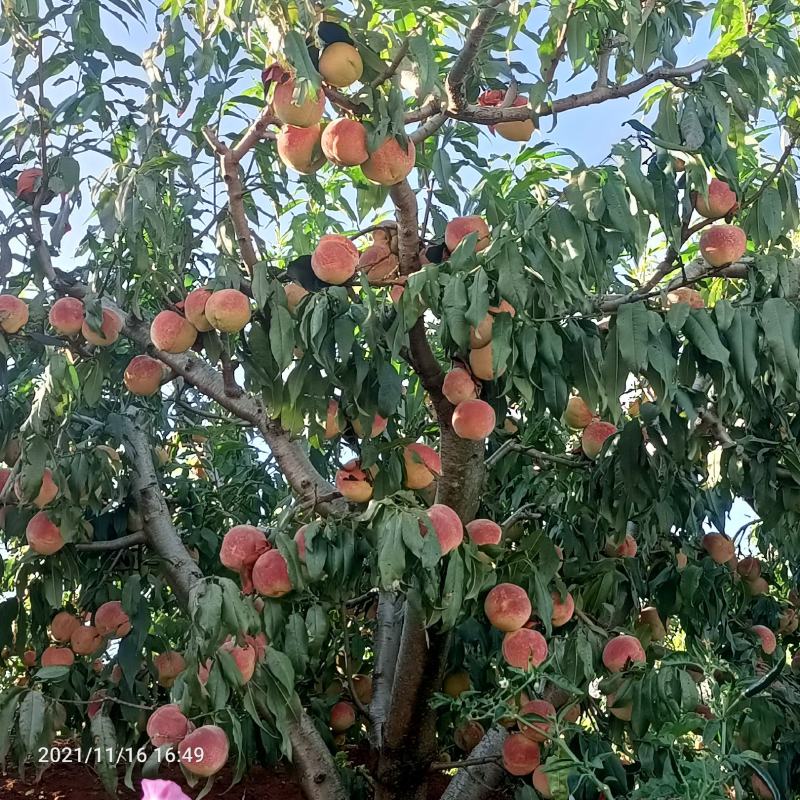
(387, 645)
(313, 763)
(481, 781)
(121, 543)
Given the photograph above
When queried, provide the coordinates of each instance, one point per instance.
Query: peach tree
(351, 421)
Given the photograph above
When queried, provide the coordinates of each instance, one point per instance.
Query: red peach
(43, 536)
(686, 295)
(344, 142)
(749, 568)
(760, 788)
(390, 163)
(468, 735)
(577, 414)
(767, 638)
(294, 295)
(29, 658)
(521, 756)
(204, 752)
(594, 436)
(244, 658)
(333, 425)
(756, 587)
(167, 726)
(194, 306)
(58, 657)
(172, 333)
(719, 547)
(719, 202)
(110, 327)
(456, 683)
(143, 376)
(422, 464)
(111, 620)
(300, 149)
(447, 527)
(623, 711)
(484, 531)
(535, 730)
(507, 607)
(66, 316)
(481, 363)
(562, 609)
(378, 426)
(621, 651)
(459, 228)
(723, 244)
(459, 386)
(13, 313)
(334, 259)
(474, 420)
(343, 717)
(29, 182)
(353, 483)
(378, 263)
(627, 548)
(291, 110)
(541, 783)
(242, 546)
(650, 617)
(85, 640)
(271, 575)
(362, 688)
(524, 648)
(168, 666)
(48, 490)
(62, 625)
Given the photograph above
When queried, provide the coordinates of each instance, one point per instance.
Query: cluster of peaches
(720, 244)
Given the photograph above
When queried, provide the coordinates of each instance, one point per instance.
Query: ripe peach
(5, 474)
(626, 549)
(577, 414)
(48, 490)
(172, 333)
(271, 575)
(43, 536)
(353, 482)
(85, 640)
(484, 531)
(291, 110)
(244, 657)
(294, 295)
(343, 717)
(524, 648)
(684, 294)
(459, 386)
(623, 711)
(767, 637)
(468, 735)
(259, 641)
(228, 310)
(421, 464)
(521, 756)
(194, 307)
(167, 726)
(110, 327)
(242, 546)
(168, 666)
(58, 657)
(562, 609)
(480, 362)
(594, 436)
(621, 651)
(300, 149)
(66, 316)
(340, 64)
(204, 751)
(481, 335)
(28, 184)
(460, 227)
(378, 426)
(13, 313)
(344, 142)
(788, 621)
(334, 259)
(362, 688)
(143, 376)
(756, 587)
(62, 625)
(721, 200)
(111, 620)
(681, 561)
(29, 658)
(749, 568)
(535, 730)
(507, 607)
(456, 683)
(517, 130)
(390, 163)
(719, 547)
(447, 527)
(474, 420)
(541, 783)
(650, 617)
(760, 788)
(378, 263)
(333, 426)
(723, 244)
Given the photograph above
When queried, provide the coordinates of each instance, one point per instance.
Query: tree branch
(561, 43)
(480, 783)
(391, 609)
(121, 543)
(394, 64)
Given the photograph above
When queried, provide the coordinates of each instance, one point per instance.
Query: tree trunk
(480, 781)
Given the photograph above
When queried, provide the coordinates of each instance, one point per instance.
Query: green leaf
(779, 320)
(702, 333)
(31, 721)
(633, 334)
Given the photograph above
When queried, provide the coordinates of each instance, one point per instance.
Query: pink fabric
(162, 790)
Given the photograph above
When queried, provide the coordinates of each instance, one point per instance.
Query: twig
(394, 64)
(347, 668)
(561, 43)
(533, 453)
(523, 512)
(444, 766)
(589, 623)
(779, 164)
